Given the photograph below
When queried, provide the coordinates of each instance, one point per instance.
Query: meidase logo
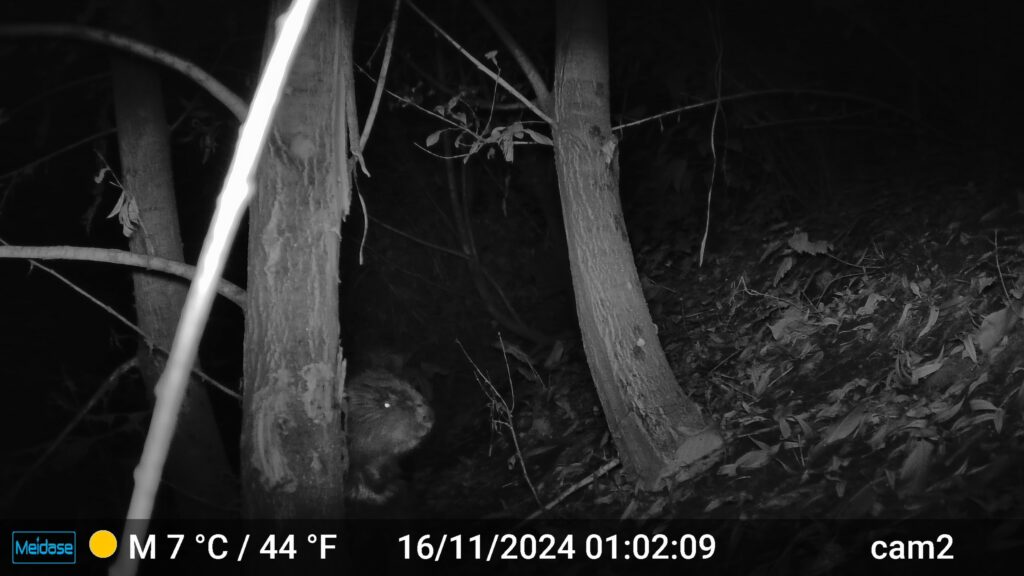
(43, 547)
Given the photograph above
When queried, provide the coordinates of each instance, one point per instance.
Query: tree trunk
(659, 432)
(197, 469)
(293, 442)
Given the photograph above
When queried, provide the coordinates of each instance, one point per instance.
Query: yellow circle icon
(102, 544)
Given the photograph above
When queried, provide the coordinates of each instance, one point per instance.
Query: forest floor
(861, 364)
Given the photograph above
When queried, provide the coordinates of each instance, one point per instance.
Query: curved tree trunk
(197, 470)
(659, 432)
(293, 441)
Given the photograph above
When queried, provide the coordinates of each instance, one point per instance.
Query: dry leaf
(933, 316)
(847, 426)
(800, 243)
(914, 471)
(784, 267)
(993, 328)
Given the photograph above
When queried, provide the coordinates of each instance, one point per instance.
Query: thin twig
(480, 65)
(607, 467)
(441, 156)
(723, 361)
(100, 392)
(420, 241)
(471, 102)
(863, 267)
(999, 269)
(451, 252)
(525, 64)
(14, 111)
(714, 151)
(58, 152)
(426, 111)
(771, 92)
(117, 316)
(503, 411)
(752, 292)
(80, 142)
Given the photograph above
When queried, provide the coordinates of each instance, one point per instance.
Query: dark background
(838, 95)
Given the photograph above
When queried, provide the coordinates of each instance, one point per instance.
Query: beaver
(387, 418)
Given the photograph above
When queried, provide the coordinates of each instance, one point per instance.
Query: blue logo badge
(43, 547)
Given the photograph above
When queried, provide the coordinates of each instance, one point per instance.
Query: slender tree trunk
(659, 432)
(293, 442)
(197, 469)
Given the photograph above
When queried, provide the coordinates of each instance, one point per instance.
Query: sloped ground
(864, 364)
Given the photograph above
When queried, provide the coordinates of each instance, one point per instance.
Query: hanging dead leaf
(538, 137)
(127, 211)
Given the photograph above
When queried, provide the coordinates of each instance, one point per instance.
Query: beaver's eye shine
(388, 418)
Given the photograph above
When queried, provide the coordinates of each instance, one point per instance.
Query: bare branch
(472, 102)
(101, 391)
(795, 92)
(540, 89)
(418, 240)
(480, 65)
(81, 142)
(128, 323)
(222, 93)
(426, 111)
(226, 289)
(586, 481)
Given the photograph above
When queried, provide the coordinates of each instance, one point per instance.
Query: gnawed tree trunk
(292, 437)
(659, 432)
(197, 473)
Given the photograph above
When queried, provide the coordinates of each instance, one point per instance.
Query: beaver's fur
(387, 418)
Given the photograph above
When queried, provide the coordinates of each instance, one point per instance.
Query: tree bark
(293, 442)
(659, 432)
(197, 469)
